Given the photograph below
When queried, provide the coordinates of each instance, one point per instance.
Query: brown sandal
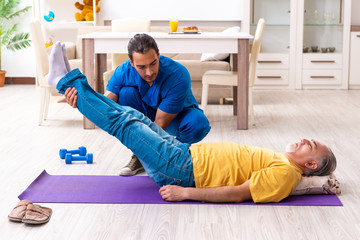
(36, 214)
(18, 213)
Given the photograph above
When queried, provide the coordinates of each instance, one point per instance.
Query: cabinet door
(276, 36)
(279, 37)
(354, 78)
(323, 43)
(323, 26)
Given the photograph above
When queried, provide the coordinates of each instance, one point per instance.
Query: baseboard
(19, 80)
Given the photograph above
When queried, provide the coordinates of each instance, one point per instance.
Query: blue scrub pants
(189, 126)
(166, 160)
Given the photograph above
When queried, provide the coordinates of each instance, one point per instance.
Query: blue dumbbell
(69, 158)
(81, 151)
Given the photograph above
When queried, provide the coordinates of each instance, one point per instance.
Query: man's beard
(291, 148)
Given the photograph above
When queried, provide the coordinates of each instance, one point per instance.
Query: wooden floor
(26, 149)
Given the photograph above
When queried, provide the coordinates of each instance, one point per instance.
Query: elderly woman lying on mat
(212, 172)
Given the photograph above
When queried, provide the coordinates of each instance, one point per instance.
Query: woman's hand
(70, 97)
(173, 193)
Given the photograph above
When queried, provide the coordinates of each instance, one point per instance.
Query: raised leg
(166, 160)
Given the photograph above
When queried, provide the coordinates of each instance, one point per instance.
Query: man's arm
(238, 193)
(164, 119)
(111, 96)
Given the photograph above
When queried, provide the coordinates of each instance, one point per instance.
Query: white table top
(220, 42)
(159, 35)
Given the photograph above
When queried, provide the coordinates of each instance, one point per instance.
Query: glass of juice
(174, 25)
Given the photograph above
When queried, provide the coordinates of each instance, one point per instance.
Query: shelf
(320, 53)
(64, 18)
(306, 25)
(68, 24)
(272, 25)
(323, 25)
(275, 52)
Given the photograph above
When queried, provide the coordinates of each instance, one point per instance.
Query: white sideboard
(354, 70)
(293, 27)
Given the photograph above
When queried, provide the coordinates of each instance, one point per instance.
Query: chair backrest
(41, 57)
(127, 25)
(85, 30)
(255, 50)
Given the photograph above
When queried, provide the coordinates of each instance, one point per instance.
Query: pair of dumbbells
(69, 157)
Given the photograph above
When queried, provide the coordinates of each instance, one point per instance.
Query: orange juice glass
(174, 25)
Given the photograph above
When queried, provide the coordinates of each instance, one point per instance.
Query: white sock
(57, 67)
(67, 64)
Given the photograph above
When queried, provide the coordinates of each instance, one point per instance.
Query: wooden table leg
(243, 84)
(234, 88)
(101, 66)
(88, 70)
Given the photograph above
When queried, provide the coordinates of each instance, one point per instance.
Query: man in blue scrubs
(160, 88)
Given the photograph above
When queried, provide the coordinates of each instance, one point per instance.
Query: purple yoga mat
(48, 188)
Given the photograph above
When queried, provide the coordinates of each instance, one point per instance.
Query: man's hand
(173, 193)
(237, 193)
(70, 97)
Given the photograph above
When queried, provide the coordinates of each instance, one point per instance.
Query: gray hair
(326, 165)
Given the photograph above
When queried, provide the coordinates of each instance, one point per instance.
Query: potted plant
(10, 38)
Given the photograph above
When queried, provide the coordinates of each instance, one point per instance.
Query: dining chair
(42, 67)
(125, 25)
(230, 78)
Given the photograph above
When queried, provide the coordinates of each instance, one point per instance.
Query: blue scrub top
(171, 90)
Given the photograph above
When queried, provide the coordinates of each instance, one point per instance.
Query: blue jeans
(189, 126)
(166, 160)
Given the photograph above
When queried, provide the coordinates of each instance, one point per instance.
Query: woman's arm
(238, 193)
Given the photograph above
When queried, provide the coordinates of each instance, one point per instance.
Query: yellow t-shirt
(272, 176)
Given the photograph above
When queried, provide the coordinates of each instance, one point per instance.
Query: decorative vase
(2, 78)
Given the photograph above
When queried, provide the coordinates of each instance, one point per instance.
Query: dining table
(96, 46)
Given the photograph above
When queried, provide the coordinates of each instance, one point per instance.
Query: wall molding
(19, 80)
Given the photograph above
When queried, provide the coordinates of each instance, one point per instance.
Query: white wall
(355, 12)
(20, 63)
(229, 10)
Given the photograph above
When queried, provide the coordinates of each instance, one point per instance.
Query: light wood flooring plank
(26, 149)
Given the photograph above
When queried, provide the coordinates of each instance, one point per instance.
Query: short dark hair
(326, 165)
(141, 43)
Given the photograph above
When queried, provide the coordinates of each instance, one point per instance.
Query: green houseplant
(10, 38)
